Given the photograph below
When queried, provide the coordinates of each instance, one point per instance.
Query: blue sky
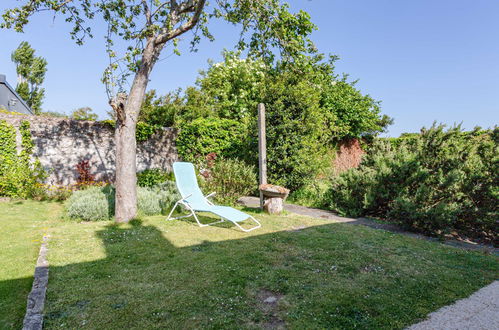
(426, 60)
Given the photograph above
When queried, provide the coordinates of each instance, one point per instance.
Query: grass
(312, 194)
(157, 274)
(23, 225)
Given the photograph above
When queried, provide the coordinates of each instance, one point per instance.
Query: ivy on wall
(20, 175)
(7, 143)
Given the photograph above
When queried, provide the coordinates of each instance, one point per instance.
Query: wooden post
(262, 149)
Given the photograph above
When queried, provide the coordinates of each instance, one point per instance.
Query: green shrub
(435, 183)
(92, 204)
(309, 108)
(312, 194)
(230, 179)
(209, 135)
(97, 203)
(148, 201)
(20, 175)
(160, 111)
(297, 140)
(168, 195)
(152, 177)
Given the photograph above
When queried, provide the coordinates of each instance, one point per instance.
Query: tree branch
(62, 4)
(190, 5)
(118, 104)
(147, 12)
(172, 3)
(185, 7)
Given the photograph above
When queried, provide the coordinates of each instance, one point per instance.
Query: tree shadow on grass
(318, 276)
(212, 220)
(13, 296)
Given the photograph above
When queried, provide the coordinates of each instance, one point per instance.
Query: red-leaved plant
(84, 175)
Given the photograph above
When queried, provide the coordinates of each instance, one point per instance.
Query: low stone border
(33, 320)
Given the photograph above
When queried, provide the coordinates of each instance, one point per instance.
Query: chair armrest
(184, 198)
(210, 195)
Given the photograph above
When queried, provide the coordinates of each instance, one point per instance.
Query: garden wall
(61, 143)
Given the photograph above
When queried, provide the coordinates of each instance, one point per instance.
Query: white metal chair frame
(183, 202)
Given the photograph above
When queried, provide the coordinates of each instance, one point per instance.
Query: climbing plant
(20, 174)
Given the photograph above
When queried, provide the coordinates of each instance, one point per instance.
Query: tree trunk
(126, 144)
(126, 178)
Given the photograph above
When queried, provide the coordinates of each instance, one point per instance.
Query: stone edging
(33, 319)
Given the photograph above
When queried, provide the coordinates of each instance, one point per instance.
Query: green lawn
(158, 274)
(22, 227)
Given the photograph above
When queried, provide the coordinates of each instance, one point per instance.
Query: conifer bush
(440, 182)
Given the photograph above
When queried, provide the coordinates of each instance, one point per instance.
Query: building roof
(3, 81)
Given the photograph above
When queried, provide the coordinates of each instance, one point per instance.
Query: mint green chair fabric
(194, 201)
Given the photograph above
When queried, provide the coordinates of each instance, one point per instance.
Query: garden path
(478, 311)
(324, 214)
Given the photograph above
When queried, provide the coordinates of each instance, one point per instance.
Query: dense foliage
(436, 182)
(153, 177)
(309, 109)
(229, 179)
(202, 136)
(20, 175)
(230, 89)
(160, 110)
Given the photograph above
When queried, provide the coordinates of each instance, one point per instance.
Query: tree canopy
(143, 28)
(309, 109)
(84, 113)
(31, 71)
(267, 28)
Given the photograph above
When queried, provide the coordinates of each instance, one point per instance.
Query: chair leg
(205, 224)
(181, 217)
(193, 214)
(171, 212)
(248, 230)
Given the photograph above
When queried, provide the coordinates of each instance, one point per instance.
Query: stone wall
(61, 143)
